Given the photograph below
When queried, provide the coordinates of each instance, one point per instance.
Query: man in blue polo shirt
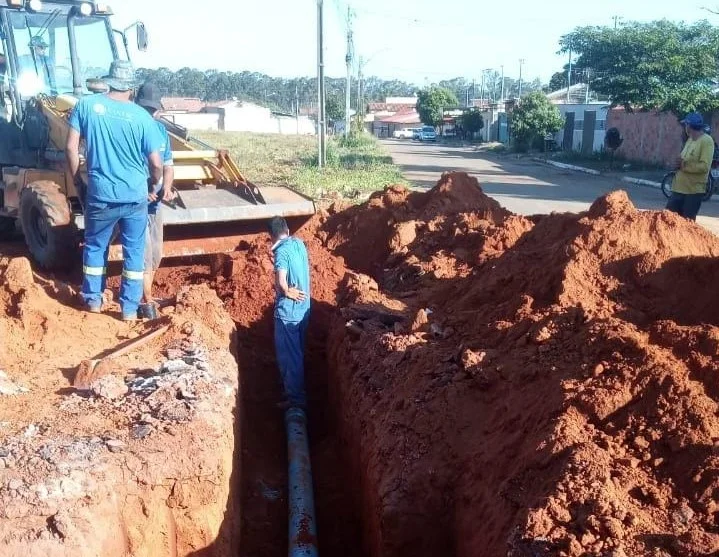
(149, 97)
(292, 309)
(121, 142)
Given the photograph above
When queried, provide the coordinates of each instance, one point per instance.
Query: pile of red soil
(442, 231)
(88, 473)
(560, 398)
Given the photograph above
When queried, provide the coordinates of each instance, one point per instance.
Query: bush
(532, 119)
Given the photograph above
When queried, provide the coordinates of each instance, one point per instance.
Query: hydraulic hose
(302, 528)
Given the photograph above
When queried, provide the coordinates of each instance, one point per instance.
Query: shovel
(91, 370)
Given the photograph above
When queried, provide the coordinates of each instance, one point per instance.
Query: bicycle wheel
(710, 189)
(667, 182)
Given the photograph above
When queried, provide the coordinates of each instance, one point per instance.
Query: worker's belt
(94, 271)
(133, 275)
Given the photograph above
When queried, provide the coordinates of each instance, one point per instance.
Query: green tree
(532, 119)
(558, 81)
(660, 65)
(471, 120)
(432, 101)
(335, 108)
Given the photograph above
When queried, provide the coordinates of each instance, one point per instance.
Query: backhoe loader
(52, 53)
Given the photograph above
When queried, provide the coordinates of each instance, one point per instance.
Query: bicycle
(712, 186)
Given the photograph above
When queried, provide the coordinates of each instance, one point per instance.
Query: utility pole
(569, 73)
(321, 123)
(521, 63)
(360, 111)
(501, 96)
(297, 109)
(616, 19)
(348, 62)
(586, 80)
(481, 89)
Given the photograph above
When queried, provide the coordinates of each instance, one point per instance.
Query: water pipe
(301, 506)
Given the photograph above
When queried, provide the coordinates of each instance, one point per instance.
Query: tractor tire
(7, 228)
(47, 225)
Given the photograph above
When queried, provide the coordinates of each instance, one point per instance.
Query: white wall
(196, 121)
(600, 129)
(287, 125)
(249, 118)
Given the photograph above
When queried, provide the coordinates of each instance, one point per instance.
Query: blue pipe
(302, 528)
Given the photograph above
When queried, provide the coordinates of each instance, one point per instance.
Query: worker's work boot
(129, 316)
(93, 308)
(147, 311)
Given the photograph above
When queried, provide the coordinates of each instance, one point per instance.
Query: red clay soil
(244, 282)
(498, 386)
(560, 398)
(140, 466)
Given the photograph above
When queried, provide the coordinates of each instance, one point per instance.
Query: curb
(566, 166)
(627, 179)
(640, 182)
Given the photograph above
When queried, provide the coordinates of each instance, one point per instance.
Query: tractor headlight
(86, 9)
(35, 5)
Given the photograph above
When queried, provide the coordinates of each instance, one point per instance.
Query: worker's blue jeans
(290, 348)
(685, 204)
(100, 220)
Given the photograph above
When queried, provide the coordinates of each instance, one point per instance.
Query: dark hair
(278, 226)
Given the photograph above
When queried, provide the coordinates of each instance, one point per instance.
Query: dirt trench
(480, 383)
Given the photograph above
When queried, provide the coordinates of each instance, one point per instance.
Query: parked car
(406, 133)
(416, 132)
(427, 133)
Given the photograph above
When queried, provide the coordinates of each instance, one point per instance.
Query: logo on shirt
(99, 108)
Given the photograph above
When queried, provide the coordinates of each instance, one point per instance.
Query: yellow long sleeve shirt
(696, 162)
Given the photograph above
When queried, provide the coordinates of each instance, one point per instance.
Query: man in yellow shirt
(693, 169)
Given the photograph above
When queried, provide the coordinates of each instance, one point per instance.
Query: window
(43, 50)
(578, 125)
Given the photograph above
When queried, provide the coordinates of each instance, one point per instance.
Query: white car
(405, 133)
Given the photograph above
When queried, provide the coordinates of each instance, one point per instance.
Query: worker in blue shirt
(292, 310)
(149, 97)
(121, 142)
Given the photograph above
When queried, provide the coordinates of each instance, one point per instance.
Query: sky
(419, 41)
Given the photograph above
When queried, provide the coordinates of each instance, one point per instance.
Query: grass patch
(356, 166)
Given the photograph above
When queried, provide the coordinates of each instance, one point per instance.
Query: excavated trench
(244, 283)
(569, 408)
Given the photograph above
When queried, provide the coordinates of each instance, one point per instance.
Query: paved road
(524, 186)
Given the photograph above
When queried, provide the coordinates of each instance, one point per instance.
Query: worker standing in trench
(149, 97)
(121, 141)
(292, 310)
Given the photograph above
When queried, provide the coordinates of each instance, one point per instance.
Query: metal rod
(301, 506)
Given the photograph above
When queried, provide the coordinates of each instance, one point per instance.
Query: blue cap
(694, 120)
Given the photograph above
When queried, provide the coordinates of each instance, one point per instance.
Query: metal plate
(211, 205)
(224, 205)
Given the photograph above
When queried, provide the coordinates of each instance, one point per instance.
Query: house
(386, 126)
(182, 105)
(189, 112)
(378, 118)
(585, 125)
(233, 115)
(578, 93)
(585, 119)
